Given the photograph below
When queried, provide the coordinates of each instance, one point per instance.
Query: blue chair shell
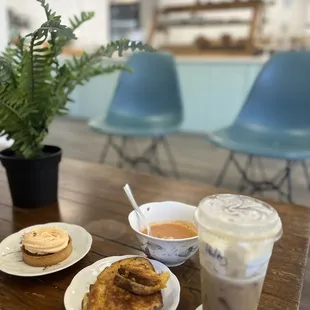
(275, 120)
(147, 102)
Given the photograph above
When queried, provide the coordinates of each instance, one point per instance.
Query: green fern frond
(77, 21)
(54, 26)
(122, 46)
(6, 75)
(11, 110)
(51, 26)
(111, 69)
(85, 67)
(13, 55)
(34, 88)
(14, 120)
(48, 11)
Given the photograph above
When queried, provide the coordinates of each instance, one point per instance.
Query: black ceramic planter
(33, 182)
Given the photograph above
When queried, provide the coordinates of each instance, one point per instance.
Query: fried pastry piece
(105, 295)
(141, 281)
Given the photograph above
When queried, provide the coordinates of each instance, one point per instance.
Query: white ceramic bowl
(171, 252)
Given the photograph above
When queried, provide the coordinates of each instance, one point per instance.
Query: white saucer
(87, 276)
(11, 261)
(199, 308)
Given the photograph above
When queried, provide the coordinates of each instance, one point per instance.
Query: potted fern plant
(34, 88)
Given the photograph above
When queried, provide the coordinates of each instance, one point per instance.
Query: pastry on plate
(45, 246)
(130, 284)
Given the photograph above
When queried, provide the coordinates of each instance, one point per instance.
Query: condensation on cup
(236, 235)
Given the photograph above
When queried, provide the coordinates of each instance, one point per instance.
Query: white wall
(94, 32)
(3, 25)
(291, 13)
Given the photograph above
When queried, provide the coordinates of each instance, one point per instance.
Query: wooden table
(91, 195)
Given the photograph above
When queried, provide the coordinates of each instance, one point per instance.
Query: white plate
(199, 308)
(11, 261)
(87, 276)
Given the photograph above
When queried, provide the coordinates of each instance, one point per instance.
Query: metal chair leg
(150, 152)
(261, 168)
(154, 159)
(105, 150)
(171, 158)
(119, 151)
(149, 156)
(121, 160)
(242, 183)
(261, 173)
(306, 172)
(276, 183)
(289, 180)
(134, 148)
(223, 172)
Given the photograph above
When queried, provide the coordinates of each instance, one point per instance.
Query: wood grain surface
(91, 195)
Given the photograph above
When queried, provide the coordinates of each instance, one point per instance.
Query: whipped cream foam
(236, 234)
(45, 240)
(239, 216)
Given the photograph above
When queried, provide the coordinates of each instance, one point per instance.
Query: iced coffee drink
(236, 235)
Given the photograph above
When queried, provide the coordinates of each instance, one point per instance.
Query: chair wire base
(281, 182)
(149, 157)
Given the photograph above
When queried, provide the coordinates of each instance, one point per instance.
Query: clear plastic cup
(236, 237)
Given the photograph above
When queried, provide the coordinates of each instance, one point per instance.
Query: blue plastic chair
(274, 123)
(146, 103)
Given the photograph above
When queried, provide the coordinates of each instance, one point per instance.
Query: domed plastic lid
(237, 216)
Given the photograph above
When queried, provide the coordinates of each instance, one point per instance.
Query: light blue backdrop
(213, 92)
